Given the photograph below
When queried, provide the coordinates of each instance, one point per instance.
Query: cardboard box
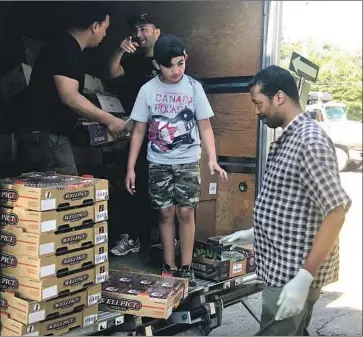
(30, 312)
(215, 242)
(208, 264)
(90, 315)
(205, 219)
(52, 287)
(92, 85)
(93, 133)
(40, 191)
(39, 268)
(144, 295)
(14, 81)
(107, 103)
(54, 220)
(15, 240)
(55, 326)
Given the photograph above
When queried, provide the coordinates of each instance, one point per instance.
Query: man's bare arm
(68, 92)
(325, 239)
(126, 46)
(116, 69)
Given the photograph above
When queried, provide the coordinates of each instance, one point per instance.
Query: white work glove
(294, 295)
(244, 237)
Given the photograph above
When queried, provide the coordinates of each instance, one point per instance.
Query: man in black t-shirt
(133, 59)
(54, 99)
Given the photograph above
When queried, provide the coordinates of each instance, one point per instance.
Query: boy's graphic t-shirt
(172, 111)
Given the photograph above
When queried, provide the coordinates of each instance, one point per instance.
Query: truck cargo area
(202, 309)
(227, 43)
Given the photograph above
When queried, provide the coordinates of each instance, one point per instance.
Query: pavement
(338, 312)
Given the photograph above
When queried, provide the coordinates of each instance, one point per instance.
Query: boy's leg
(186, 233)
(161, 193)
(167, 234)
(187, 193)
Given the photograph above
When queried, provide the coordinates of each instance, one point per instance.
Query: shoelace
(187, 274)
(120, 243)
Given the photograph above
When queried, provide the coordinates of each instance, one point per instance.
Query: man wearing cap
(133, 58)
(133, 61)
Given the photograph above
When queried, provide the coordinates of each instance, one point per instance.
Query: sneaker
(125, 246)
(166, 270)
(188, 273)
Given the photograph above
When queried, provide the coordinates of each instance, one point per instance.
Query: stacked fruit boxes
(54, 253)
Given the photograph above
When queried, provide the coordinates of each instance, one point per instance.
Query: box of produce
(143, 295)
(39, 191)
(217, 262)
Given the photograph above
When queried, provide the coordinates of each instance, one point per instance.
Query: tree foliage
(340, 71)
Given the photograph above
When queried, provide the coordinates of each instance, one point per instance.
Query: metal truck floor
(140, 262)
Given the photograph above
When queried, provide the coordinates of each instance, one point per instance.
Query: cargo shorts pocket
(161, 186)
(187, 185)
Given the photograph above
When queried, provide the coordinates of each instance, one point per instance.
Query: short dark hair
(85, 13)
(273, 79)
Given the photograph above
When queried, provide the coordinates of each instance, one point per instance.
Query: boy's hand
(130, 182)
(214, 167)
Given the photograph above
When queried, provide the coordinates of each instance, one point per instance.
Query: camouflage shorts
(174, 185)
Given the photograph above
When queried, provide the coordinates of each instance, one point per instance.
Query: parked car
(346, 134)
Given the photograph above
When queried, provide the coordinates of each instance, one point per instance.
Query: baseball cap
(167, 47)
(140, 19)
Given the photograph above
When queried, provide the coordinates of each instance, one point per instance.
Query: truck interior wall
(223, 38)
(234, 124)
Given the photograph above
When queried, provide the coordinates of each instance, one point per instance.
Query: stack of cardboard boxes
(206, 210)
(54, 253)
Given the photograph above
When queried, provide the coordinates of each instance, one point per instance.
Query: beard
(272, 122)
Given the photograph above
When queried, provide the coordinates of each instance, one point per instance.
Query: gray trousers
(293, 326)
(44, 151)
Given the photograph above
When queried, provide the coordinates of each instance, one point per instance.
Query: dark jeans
(43, 151)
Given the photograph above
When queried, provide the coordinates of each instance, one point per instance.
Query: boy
(177, 109)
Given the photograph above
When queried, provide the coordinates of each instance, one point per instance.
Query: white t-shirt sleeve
(203, 110)
(141, 110)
